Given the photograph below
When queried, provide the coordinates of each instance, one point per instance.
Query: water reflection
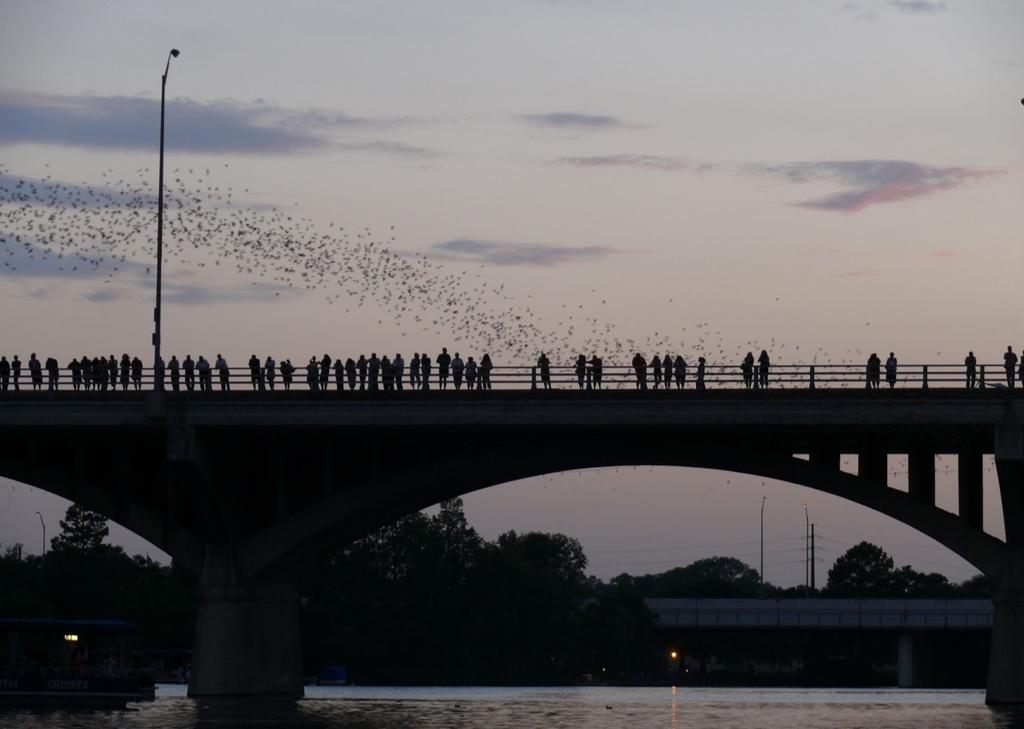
(500, 708)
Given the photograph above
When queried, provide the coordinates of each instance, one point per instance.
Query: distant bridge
(242, 487)
(821, 614)
(913, 620)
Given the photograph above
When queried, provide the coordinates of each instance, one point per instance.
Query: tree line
(427, 599)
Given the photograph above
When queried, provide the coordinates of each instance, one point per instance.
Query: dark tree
(711, 577)
(865, 570)
(81, 530)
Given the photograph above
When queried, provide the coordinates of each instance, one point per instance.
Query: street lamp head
(175, 52)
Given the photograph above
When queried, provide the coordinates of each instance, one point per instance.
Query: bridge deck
(821, 614)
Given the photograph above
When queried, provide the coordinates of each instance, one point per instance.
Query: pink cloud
(872, 182)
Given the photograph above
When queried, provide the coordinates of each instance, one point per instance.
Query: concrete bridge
(239, 486)
(914, 623)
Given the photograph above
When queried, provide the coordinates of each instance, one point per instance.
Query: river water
(527, 708)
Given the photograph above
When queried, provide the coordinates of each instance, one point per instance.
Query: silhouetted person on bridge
(254, 373)
(52, 374)
(350, 373)
(362, 365)
(485, 372)
(1009, 363)
(640, 371)
(98, 370)
(86, 364)
(597, 371)
(387, 374)
(76, 374)
(971, 366)
(656, 371)
(874, 371)
(223, 372)
(458, 367)
(890, 370)
(125, 368)
(205, 374)
(112, 371)
(35, 372)
(700, 373)
(190, 372)
(414, 371)
(270, 371)
(325, 371)
(137, 373)
(544, 365)
(339, 374)
(398, 364)
(374, 371)
(158, 373)
(581, 370)
(312, 380)
(747, 368)
(5, 374)
(174, 367)
(444, 362)
(680, 372)
(425, 371)
(287, 373)
(763, 366)
(16, 372)
(470, 373)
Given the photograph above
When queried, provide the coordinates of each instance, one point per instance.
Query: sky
(824, 179)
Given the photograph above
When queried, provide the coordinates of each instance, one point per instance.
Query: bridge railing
(529, 377)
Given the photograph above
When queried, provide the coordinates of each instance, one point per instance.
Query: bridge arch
(354, 513)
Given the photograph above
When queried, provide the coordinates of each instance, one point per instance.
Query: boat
(55, 663)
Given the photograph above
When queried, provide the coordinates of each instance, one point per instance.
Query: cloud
(637, 161)
(226, 126)
(393, 149)
(871, 182)
(194, 294)
(574, 121)
(516, 254)
(856, 274)
(919, 7)
(54, 193)
(28, 261)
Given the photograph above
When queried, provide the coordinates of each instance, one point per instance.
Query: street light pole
(44, 531)
(160, 212)
(807, 549)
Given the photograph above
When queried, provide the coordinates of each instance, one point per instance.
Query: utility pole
(813, 586)
(807, 550)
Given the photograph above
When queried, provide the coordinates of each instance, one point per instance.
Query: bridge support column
(247, 639)
(911, 666)
(873, 465)
(969, 469)
(1006, 655)
(921, 476)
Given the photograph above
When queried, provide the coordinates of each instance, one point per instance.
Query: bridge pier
(911, 664)
(1006, 656)
(247, 640)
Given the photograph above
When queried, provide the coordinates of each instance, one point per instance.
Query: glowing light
(71, 637)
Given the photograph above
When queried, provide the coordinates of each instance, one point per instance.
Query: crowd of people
(375, 373)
